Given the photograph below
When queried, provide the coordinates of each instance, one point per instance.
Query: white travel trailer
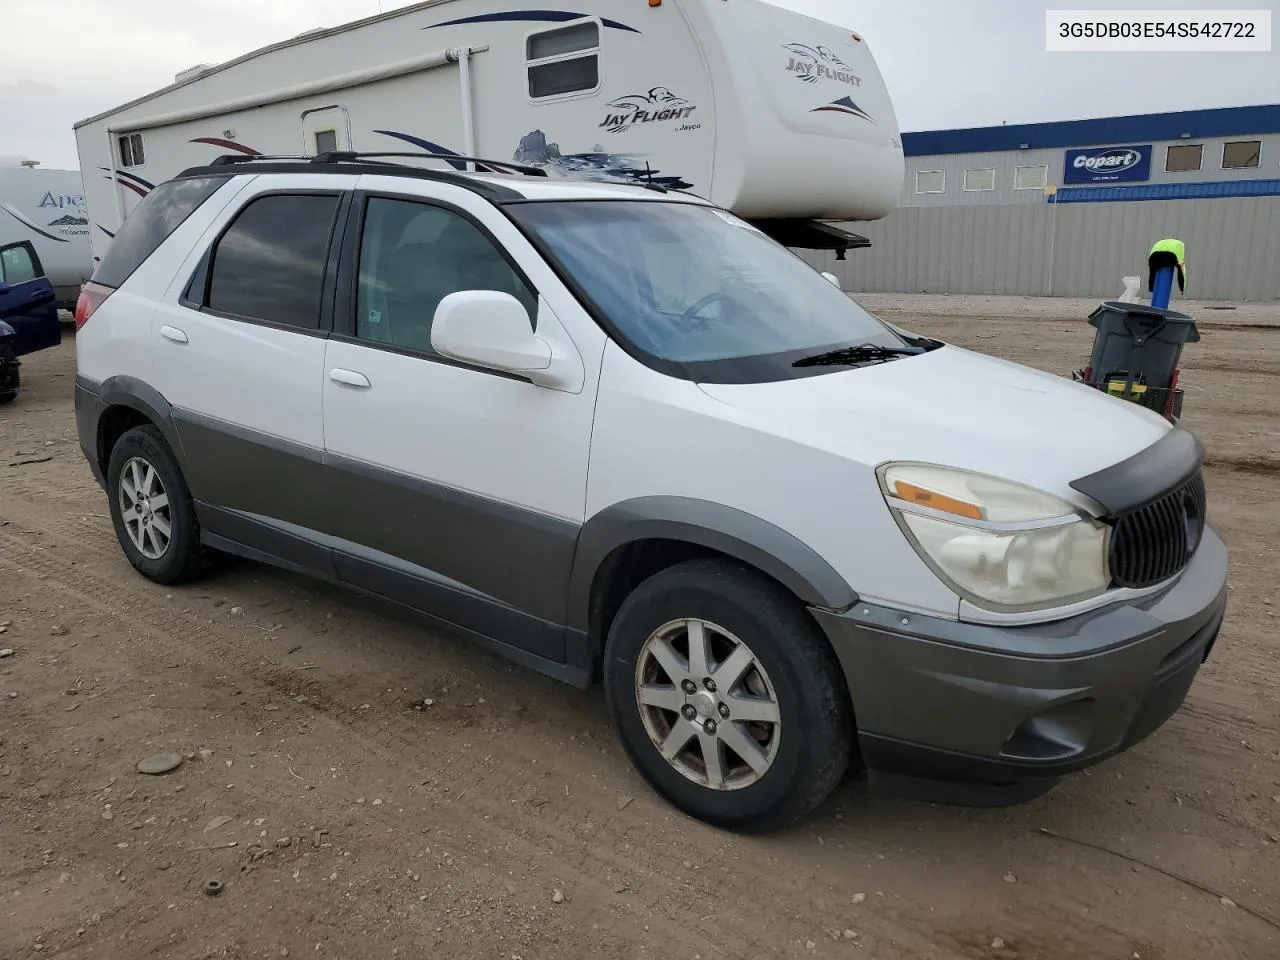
(781, 118)
(47, 209)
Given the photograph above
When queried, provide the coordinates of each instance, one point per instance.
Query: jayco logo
(811, 64)
(1108, 161)
(657, 106)
(66, 200)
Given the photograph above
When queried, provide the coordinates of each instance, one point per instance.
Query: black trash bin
(1136, 353)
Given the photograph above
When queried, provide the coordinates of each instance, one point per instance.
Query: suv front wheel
(151, 508)
(726, 697)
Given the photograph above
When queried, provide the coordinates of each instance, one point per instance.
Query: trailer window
(564, 60)
(131, 152)
(326, 141)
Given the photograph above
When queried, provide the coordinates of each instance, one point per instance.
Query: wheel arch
(127, 402)
(673, 529)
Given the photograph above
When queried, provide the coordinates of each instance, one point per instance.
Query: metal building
(1068, 209)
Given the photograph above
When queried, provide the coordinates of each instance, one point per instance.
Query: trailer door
(325, 129)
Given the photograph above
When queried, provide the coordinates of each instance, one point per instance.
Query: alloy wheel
(708, 704)
(144, 508)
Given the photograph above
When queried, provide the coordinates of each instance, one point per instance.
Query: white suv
(618, 433)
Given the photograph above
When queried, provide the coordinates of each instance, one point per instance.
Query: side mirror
(832, 279)
(488, 329)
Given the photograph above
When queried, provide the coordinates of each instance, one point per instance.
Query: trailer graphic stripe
(844, 105)
(28, 224)
(136, 179)
(535, 16)
(228, 145)
(131, 180)
(430, 147)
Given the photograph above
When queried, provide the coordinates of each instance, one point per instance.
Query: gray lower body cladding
(960, 703)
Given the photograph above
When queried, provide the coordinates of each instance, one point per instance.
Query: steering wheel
(693, 311)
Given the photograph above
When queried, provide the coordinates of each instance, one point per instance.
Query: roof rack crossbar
(227, 159)
(353, 156)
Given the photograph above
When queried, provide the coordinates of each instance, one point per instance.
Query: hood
(955, 408)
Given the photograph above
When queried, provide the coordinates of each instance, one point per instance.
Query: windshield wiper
(848, 356)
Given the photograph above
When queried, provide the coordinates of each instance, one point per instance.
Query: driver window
(16, 265)
(412, 256)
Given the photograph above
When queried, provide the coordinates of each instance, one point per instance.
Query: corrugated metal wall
(1066, 250)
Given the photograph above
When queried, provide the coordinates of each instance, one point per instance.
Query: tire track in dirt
(485, 789)
(480, 787)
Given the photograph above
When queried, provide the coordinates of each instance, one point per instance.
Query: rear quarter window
(150, 223)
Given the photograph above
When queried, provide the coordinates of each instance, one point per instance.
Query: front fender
(734, 533)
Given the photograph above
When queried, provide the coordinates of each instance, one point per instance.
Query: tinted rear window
(149, 224)
(269, 265)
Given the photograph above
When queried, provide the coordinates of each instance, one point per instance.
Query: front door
(27, 301)
(460, 491)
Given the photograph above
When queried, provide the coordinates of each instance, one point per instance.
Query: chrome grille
(1154, 542)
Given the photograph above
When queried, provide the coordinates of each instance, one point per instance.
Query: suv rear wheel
(151, 508)
(726, 697)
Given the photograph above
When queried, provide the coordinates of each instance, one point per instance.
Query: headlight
(998, 544)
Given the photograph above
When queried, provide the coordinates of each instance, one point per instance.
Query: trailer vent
(1156, 541)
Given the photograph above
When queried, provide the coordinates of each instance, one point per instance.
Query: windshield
(700, 293)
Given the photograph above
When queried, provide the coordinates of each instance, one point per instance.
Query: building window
(1241, 154)
(131, 154)
(564, 60)
(1184, 157)
(1031, 178)
(326, 141)
(931, 181)
(981, 179)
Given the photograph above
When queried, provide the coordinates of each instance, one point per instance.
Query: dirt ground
(501, 821)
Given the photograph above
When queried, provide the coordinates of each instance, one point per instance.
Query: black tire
(185, 558)
(10, 374)
(815, 736)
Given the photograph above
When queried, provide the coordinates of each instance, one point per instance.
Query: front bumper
(954, 703)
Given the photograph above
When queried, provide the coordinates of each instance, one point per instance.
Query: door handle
(173, 333)
(349, 377)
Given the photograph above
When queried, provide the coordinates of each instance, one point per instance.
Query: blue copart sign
(1108, 165)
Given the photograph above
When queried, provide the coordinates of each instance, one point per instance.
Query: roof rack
(227, 166)
(352, 156)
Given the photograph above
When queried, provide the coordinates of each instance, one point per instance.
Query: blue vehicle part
(28, 304)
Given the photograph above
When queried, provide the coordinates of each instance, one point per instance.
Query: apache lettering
(66, 200)
(823, 72)
(647, 116)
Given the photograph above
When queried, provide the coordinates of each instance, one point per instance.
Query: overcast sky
(948, 63)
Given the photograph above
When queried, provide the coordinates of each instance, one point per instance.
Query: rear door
(240, 345)
(27, 301)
